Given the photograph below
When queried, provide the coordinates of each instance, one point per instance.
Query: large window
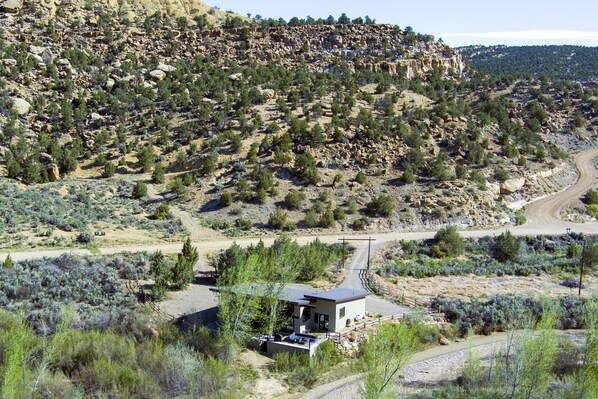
(306, 314)
(341, 313)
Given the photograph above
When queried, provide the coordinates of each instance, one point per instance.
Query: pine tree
(190, 252)
(182, 273)
(8, 263)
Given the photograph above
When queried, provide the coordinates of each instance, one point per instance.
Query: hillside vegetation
(555, 62)
(268, 125)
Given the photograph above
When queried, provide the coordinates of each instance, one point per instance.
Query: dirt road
(542, 218)
(545, 213)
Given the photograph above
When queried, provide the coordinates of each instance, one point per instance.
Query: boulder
(9, 62)
(165, 67)
(53, 172)
(269, 94)
(47, 56)
(11, 5)
(21, 106)
(37, 50)
(157, 74)
(236, 76)
(511, 186)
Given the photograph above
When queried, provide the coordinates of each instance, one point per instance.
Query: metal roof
(338, 295)
(304, 297)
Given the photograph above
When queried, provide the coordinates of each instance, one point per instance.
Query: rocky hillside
(126, 11)
(329, 126)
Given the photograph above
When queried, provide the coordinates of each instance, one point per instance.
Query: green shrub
(311, 219)
(383, 205)
(506, 247)
(360, 177)
(139, 190)
(520, 218)
(591, 197)
(158, 173)
(243, 224)
(226, 198)
(360, 223)
(294, 199)
(109, 170)
(279, 220)
(449, 242)
(163, 211)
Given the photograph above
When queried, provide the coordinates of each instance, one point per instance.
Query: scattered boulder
(165, 68)
(53, 172)
(37, 50)
(157, 74)
(47, 56)
(21, 106)
(11, 5)
(236, 76)
(511, 186)
(269, 94)
(9, 62)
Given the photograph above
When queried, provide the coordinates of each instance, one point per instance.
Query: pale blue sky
(458, 22)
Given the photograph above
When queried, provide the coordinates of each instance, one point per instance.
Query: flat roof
(302, 297)
(338, 295)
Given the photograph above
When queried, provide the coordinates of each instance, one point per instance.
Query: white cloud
(528, 35)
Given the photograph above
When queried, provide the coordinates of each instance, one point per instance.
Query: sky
(457, 22)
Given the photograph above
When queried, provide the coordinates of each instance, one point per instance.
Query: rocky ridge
(124, 84)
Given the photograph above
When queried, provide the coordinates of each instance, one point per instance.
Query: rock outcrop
(11, 6)
(21, 106)
(511, 186)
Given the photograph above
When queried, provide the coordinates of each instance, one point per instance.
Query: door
(323, 322)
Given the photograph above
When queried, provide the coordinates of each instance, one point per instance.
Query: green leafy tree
(277, 274)
(279, 219)
(591, 197)
(386, 352)
(237, 296)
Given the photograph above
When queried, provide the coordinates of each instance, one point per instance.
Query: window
(341, 313)
(316, 317)
(306, 314)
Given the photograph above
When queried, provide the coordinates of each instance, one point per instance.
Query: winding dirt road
(545, 213)
(542, 216)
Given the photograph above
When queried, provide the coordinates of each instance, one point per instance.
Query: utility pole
(581, 264)
(369, 240)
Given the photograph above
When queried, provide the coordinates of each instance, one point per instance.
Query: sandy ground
(265, 387)
(472, 286)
